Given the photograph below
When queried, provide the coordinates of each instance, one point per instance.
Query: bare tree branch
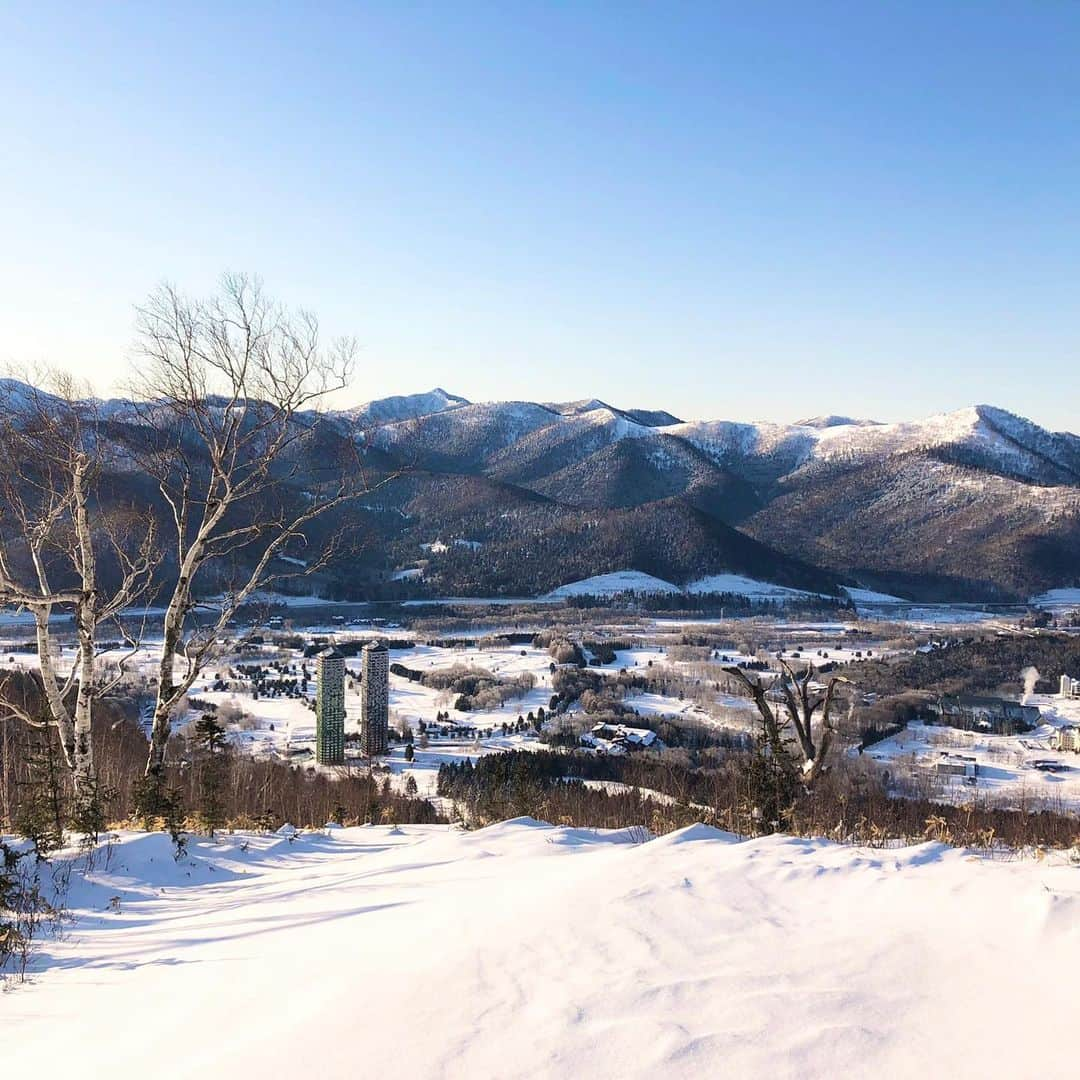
(230, 392)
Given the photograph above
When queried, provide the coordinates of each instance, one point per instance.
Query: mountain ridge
(977, 503)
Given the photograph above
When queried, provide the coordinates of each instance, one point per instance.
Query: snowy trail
(527, 951)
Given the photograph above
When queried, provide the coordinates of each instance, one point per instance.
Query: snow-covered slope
(988, 436)
(391, 410)
(523, 951)
(634, 581)
(467, 435)
(563, 442)
(619, 581)
(649, 417)
(744, 586)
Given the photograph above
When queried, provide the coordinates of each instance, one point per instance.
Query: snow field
(523, 950)
(1064, 599)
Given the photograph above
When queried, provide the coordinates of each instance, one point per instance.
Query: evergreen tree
(161, 807)
(772, 784)
(15, 903)
(41, 812)
(211, 748)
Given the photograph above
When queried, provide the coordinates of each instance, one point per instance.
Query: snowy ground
(1064, 599)
(1007, 771)
(529, 951)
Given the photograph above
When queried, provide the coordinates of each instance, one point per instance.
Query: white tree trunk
(54, 696)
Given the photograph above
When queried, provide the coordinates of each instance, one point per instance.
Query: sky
(728, 210)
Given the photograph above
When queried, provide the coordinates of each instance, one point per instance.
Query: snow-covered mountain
(977, 503)
(520, 441)
(992, 437)
(391, 410)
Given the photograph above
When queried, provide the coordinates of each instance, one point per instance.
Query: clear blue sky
(728, 210)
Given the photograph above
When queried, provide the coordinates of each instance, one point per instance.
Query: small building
(620, 739)
(1050, 765)
(1069, 688)
(993, 715)
(961, 765)
(1067, 738)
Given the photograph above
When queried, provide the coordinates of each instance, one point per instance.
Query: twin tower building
(330, 703)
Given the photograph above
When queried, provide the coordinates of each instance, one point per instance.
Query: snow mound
(635, 581)
(694, 833)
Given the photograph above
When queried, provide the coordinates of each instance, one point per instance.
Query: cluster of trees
(736, 790)
(984, 664)
(476, 688)
(560, 646)
(518, 784)
(531, 546)
(219, 475)
(207, 784)
(275, 680)
(731, 604)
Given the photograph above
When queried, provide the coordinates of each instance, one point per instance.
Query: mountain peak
(398, 407)
(833, 420)
(451, 399)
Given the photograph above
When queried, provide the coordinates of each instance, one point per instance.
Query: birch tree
(64, 555)
(231, 391)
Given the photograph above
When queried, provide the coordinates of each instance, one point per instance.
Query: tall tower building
(374, 698)
(330, 707)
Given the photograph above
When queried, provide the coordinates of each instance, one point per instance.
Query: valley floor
(524, 950)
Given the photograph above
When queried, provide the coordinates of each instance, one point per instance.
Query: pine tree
(42, 810)
(209, 739)
(772, 784)
(161, 807)
(11, 938)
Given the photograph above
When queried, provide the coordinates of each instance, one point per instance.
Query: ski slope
(528, 951)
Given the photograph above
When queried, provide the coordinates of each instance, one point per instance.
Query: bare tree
(230, 396)
(65, 553)
(801, 699)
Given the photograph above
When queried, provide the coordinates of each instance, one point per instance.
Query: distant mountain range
(978, 504)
